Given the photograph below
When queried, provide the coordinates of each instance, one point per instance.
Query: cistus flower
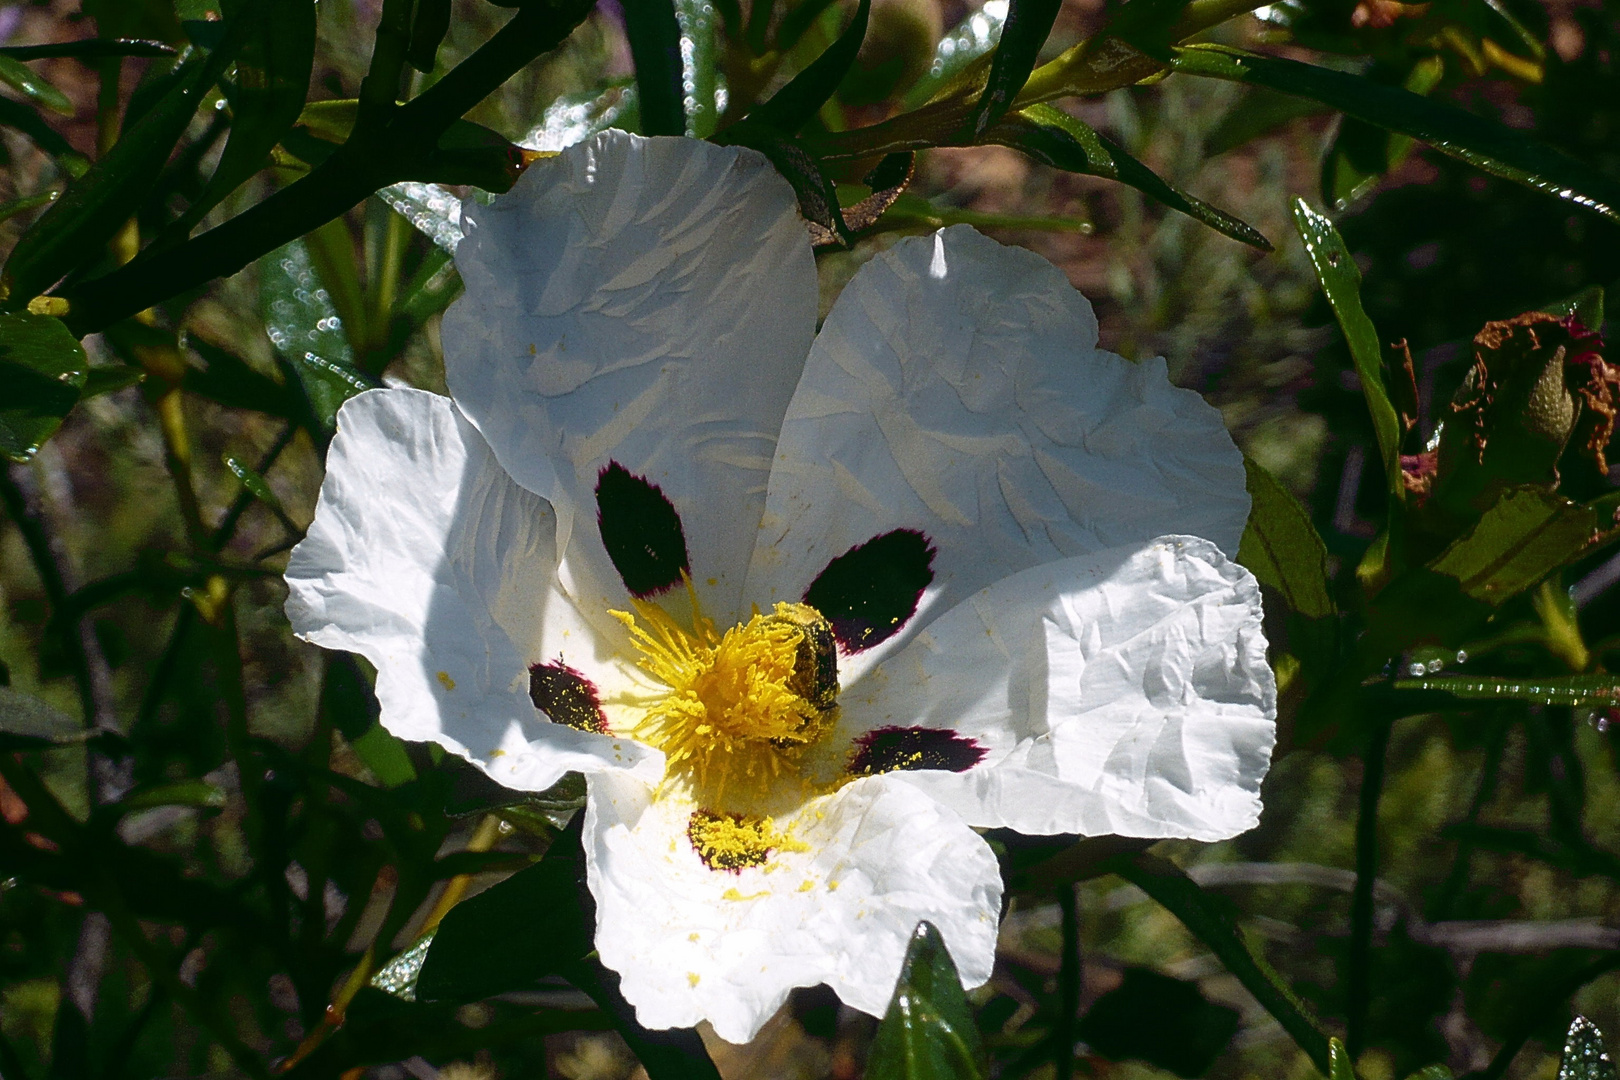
(806, 609)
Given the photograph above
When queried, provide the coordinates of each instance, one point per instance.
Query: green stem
(1359, 977)
(379, 90)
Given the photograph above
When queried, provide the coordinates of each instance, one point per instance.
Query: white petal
(695, 944)
(956, 389)
(1125, 692)
(645, 301)
(425, 558)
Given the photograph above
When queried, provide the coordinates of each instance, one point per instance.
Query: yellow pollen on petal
(446, 681)
(693, 978)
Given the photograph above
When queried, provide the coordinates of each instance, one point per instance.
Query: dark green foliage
(43, 369)
(1163, 1021)
(928, 1032)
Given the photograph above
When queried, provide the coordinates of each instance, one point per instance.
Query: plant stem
(1359, 976)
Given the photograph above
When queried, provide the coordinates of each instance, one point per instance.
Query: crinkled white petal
(645, 301)
(957, 389)
(425, 558)
(1123, 692)
(691, 943)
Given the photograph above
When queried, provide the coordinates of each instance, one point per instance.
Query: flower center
(742, 706)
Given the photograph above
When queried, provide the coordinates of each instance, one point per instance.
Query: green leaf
(1210, 920)
(795, 23)
(228, 380)
(88, 49)
(1586, 306)
(911, 210)
(15, 114)
(1524, 536)
(272, 78)
(1282, 548)
(513, 934)
(43, 368)
(1054, 137)
(1340, 279)
(818, 195)
(428, 28)
(107, 380)
(432, 211)
(1029, 23)
(699, 66)
(1362, 153)
(26, 203)
(1498, 150)
(430, 289)
(1340, 1065)
(968, 41)
(1585, 1056)
(1564, 690)
(22, 79)
(76, 228)
(1431, 1072)
(305, 328)
(654, 34)
(27, 723)
(1163, 1021)
(385, 756)
(928, 1032)
(252, 482)
(198, 793)
(793, 106)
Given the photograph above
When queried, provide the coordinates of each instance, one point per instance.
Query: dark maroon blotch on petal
(566, 696)
(871, 591)
(891, 749)
(641, 531)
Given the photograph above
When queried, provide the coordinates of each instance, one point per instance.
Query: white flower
(806, 609)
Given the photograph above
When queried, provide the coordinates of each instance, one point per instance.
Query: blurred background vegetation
(187, 918)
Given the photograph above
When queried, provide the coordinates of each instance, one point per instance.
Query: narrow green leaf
(655, 46)
(911, 210)
(27, 723)
(818, 195)
(796, 22)
(928, 1032)
(26, 203)
(88, 49)
(385, 756)
(699, 66)
(22, 79)
(428, 28)
(1029, 23)
(1054, 137)
(78, 225)
(1523, 537)
(1585, 1056)
(197, 793)
(227, 379)
(967, 42)
(1431, 1072)
(252, 482)
(431, 210)
(272, 78)
(398, 976)
(305, 328)
(1340, 1065)
(1494, 148)
(43, 368)
(791, 107)
(1361, 153)
(1566, 690)
(429, 290)
(15, 114)
(107, 380)
(1340, 279)
(1586, 306)
(1210, 920)
(1282, 548)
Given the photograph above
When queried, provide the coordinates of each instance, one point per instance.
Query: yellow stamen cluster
(741, 705)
